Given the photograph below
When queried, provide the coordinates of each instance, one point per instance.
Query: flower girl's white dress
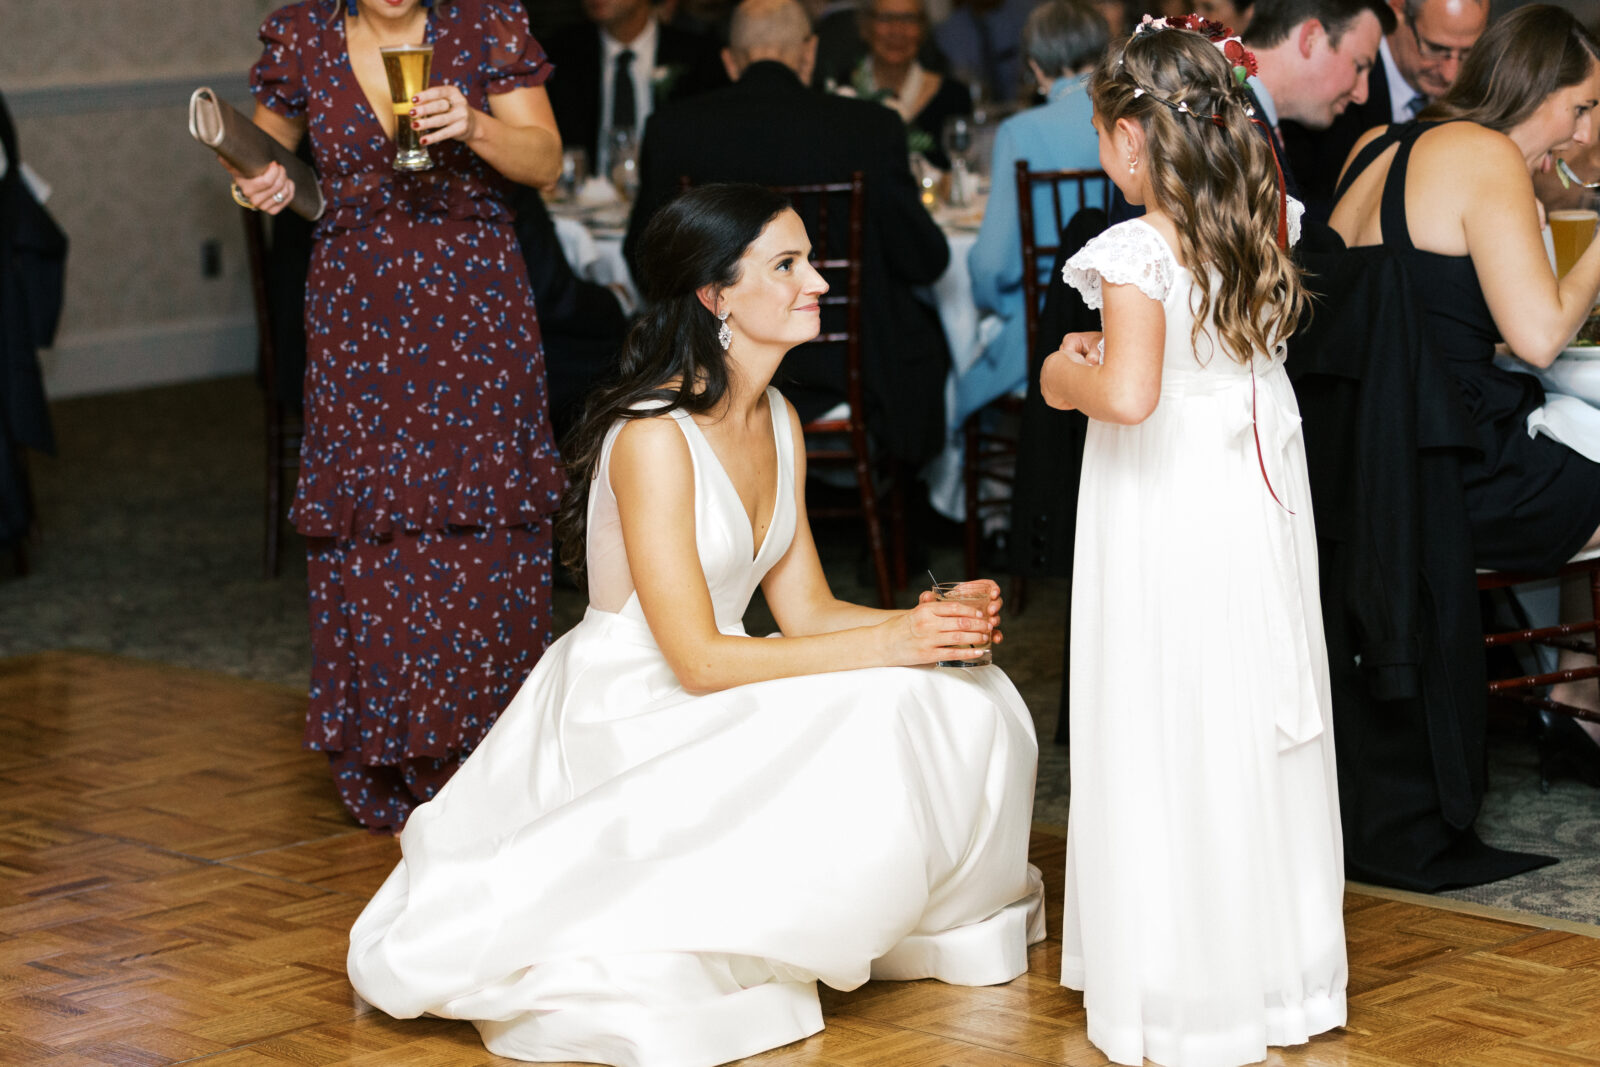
(630, 874)
(1204, 859)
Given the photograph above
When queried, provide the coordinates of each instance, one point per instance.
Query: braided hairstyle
(1213, 175)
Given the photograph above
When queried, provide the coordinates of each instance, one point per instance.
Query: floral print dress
(428, 475)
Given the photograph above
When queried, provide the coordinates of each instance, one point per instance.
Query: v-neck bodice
(733, 565)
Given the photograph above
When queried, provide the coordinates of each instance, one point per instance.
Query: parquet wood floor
(177, 881)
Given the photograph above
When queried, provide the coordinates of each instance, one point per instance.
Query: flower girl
(1204, 869)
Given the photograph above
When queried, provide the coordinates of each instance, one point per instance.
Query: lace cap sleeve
(1296, 209)
(277, 80)
(1129, 253)
(512, 59)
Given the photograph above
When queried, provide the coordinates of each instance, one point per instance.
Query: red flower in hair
(1237, 54)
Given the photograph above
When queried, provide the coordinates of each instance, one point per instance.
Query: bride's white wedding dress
(628, 873)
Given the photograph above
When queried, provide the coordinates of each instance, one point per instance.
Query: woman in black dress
(1480, 275)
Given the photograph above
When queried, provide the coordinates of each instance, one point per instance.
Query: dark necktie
(624, 113)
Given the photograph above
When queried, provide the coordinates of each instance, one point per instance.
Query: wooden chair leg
(869, 512)
(274, 486)
(973, 525)
(1017, 600)
(897, 525)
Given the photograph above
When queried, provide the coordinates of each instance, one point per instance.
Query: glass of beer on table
(407, 66)
(975, 594)
(1571, 230)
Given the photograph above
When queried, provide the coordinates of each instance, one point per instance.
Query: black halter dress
(1532, 502)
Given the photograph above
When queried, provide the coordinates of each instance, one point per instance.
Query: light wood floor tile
(177, 882)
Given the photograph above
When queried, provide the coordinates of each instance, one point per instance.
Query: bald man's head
(770, 30)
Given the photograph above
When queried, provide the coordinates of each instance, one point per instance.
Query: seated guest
(1453, 194)
(676, 830)
(768, 127)
(981, 39)
(616, 66)
(1061, 41)
(1235, 13)
(1314, 57)
(894, 32)
(581, 323)
(1417, 62)
(840, 49)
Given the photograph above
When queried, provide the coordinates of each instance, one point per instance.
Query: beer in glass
(1570, 233)
(406, 66)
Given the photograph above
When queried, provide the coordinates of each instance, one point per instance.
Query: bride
(675, 830)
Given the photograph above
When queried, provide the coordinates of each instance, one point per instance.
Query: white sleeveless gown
(1205, 872)
(629, 874)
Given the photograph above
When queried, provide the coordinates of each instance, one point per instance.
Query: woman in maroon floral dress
(427, 477)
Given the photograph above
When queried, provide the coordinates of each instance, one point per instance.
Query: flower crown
(1228, 43)
(1243, 62)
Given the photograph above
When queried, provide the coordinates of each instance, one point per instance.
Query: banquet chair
(988, 469)
(1575, 636)
(841, 267)
(284, 425)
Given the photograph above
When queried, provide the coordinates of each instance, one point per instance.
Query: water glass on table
(957, 143)
(574, 171)
(978, 595)
(624, 159)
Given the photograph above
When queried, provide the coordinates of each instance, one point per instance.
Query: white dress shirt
(644, 66)
(1400, 92)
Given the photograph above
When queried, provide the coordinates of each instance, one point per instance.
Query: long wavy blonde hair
(1213, 175)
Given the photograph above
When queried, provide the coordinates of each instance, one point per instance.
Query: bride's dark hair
(671, 357)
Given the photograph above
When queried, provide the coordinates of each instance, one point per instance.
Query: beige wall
(99, 91)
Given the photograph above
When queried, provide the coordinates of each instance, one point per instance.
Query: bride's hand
(937, 630)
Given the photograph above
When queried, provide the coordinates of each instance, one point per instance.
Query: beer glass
(1571, 230)
(977, 595)
(406, 66)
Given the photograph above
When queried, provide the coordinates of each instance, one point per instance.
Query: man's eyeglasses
(1432, 52)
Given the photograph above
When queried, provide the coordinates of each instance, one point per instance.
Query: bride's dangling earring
(724, 332)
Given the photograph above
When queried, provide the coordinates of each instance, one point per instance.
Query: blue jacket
(1055, 136)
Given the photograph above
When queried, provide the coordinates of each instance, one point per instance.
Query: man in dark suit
(769, 128)
(1417, 62)
(1314, 58)
(621, 45)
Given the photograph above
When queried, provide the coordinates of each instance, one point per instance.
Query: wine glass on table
(624, 158)
(956, 139)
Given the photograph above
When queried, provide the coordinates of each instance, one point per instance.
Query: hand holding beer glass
(407, 67)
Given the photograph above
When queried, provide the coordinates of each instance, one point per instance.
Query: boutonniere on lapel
(663, 78)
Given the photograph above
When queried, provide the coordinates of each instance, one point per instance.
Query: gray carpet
(149, 545)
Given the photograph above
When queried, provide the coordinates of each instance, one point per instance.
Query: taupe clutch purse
(220, 127)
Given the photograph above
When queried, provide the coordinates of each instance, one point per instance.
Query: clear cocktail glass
(977, 595)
